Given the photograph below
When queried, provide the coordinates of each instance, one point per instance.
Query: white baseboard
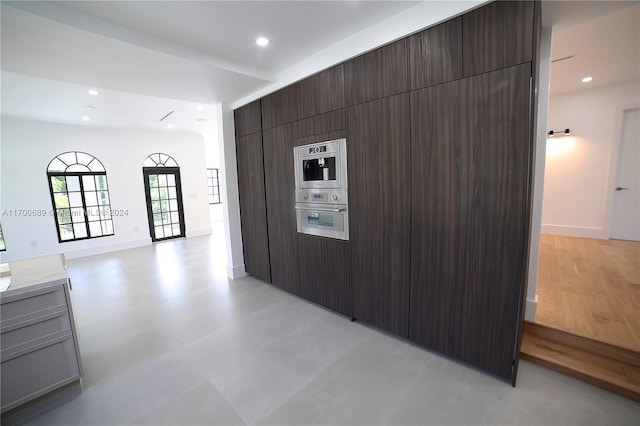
(530, 309)
(199, 232)
(235, 272)
(107, 248)
(575, 231)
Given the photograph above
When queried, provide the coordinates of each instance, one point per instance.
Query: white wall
(577, 172)
(27, 147)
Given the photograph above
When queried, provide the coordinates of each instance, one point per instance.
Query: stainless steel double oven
(322, 203)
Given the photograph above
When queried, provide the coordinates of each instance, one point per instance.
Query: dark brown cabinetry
(435, 55)
(248, 119)
(379, 157)
(439, 139)
(280, 186)
(497, 35)
(320, 93)
(324, 272)
(377, 74)
(252, 206)
(471, 151)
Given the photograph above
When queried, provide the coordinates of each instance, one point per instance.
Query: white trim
(575, 231)
(539, 160)
(614, 159)
(107, 248)
(199, 232)
(235, 272)
(531, 309)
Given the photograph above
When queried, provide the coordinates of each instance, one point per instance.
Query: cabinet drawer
(26, 377)
(32, 305)
(34, 332)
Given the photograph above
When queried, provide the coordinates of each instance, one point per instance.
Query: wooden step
(607, 366)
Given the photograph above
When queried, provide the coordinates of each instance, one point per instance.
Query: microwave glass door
(319, 169)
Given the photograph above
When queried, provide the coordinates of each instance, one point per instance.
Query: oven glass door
(329, 222)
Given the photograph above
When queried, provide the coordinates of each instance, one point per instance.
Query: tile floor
(167, 339)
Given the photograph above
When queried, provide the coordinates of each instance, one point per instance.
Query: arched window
(159, 160)
(80, 196)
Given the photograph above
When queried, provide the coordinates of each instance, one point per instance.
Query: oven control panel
(321, 196)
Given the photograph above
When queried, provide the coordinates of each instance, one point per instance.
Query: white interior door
(626, 204)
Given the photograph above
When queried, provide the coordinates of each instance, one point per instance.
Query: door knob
(620, 188)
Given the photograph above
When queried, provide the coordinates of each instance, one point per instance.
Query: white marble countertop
(38, 270)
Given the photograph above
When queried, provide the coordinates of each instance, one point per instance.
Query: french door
(164, 202)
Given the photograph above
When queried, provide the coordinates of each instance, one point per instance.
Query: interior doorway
(588, 280)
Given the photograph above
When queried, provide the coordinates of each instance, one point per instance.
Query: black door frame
(146, 172)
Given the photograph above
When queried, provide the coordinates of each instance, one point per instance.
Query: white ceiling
(151, 57)
(606, 48)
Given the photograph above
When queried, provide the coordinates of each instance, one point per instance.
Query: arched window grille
(159, 160)
(80, 196)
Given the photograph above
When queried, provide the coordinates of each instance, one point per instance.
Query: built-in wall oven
(322, 203)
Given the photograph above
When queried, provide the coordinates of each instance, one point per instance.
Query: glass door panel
(164, 202)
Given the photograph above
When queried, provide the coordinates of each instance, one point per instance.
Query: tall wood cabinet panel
(435, 55)
(248, 119)
(378, 145)
(280, 107)
(315, 95)
(329, 89)
(253, 217)
(280, 187)
(471, 159)
(497, 35)
(320, 124)
(324, 272)
(377, 74)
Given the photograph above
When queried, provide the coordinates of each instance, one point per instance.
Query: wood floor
(591, 288)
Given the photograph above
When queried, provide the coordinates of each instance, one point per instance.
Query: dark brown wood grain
(329, 89)
(281, 218)
(320, 93)
(248, 119)
(252, 206)
(380, 73)
(435, 55)
(324, 272)
(497, 35)
(280, 107)
(471, 157)
(319, 124)
(378, 146)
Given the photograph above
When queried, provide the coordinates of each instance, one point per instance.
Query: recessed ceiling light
(86, 118)
(262, 41)
(90, 107)
(169, 126)
(200, 108)
(587, 79)
(93, 92)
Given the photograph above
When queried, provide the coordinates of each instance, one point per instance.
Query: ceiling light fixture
(262, 41)
(200, 108)
(93, 92)
(587, 79)
(169, 126)
(85, 118)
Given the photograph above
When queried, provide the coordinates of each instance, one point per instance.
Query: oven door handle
(321, 209)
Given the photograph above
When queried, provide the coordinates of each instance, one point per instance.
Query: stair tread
(616, 372)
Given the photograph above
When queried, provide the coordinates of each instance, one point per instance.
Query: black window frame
(213, 186)
(86, 216)
(4, 243)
